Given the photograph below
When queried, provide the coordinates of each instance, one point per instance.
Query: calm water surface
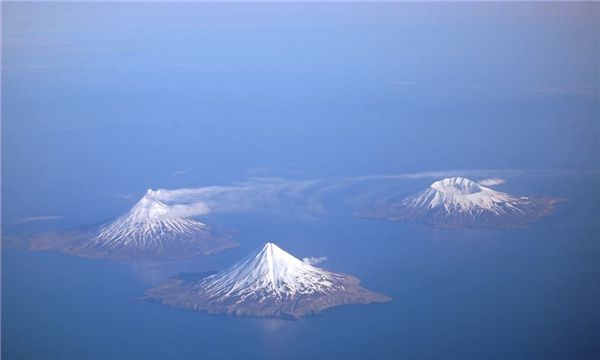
(469, 294)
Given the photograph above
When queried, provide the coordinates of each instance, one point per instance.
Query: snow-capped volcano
(460, 202)
(460, 194)
(151, 230)
(148, 223)
(269, 273)
(267, 282)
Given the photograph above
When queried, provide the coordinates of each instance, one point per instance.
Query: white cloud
(181, 172)
(39, 218)
(491, 181)
(404, 83)
(314, 260)
(254, 195)
(570, 89)
(188, 210)
(303, 199)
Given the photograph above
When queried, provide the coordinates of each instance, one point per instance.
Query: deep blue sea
(460, 294)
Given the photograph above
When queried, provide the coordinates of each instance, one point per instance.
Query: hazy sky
(104, 99)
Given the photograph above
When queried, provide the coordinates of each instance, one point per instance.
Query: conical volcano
(267, 282)
(149, 224)
(459, 202)
(151, 230)
(270, 272)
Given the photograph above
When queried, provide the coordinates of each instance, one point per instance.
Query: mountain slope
(267, 282)
(459, 202)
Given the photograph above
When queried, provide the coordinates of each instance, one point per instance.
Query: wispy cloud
(554, 90)
(38, 218)
(304, 198)
(403, 83)
(181, 172)
(491, 181)
(309, 198)
(576, 90)
(439, 174)
(275, 195)
(314, 260)
(188, 210)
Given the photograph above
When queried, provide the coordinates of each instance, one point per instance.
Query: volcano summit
(459, 202)
(151, 230)
(267, 282)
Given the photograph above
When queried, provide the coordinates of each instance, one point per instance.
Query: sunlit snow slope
(460, 202)
(270, 273)
(268, 282)
(151, 230)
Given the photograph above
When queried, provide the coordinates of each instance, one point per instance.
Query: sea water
(457, 294)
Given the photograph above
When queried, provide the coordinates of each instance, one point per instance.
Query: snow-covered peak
(459, 194)
(148, 209)
(149, 223)
(269, 273)
(267, 282)
(459, 202)
(154, 194)
(275, 260)
(457, 185)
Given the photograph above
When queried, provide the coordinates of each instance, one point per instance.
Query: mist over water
(281, 121)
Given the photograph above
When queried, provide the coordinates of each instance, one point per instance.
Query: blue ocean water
(460, 294)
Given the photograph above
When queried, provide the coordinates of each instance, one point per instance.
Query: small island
(148, 231)
(269, 282)
(458, 202)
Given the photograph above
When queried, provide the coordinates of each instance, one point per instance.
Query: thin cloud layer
(491, 182)
(255, 195)
(39, 218)
(188, 210)
(301, 198)
(181, 172)
(314, 260)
